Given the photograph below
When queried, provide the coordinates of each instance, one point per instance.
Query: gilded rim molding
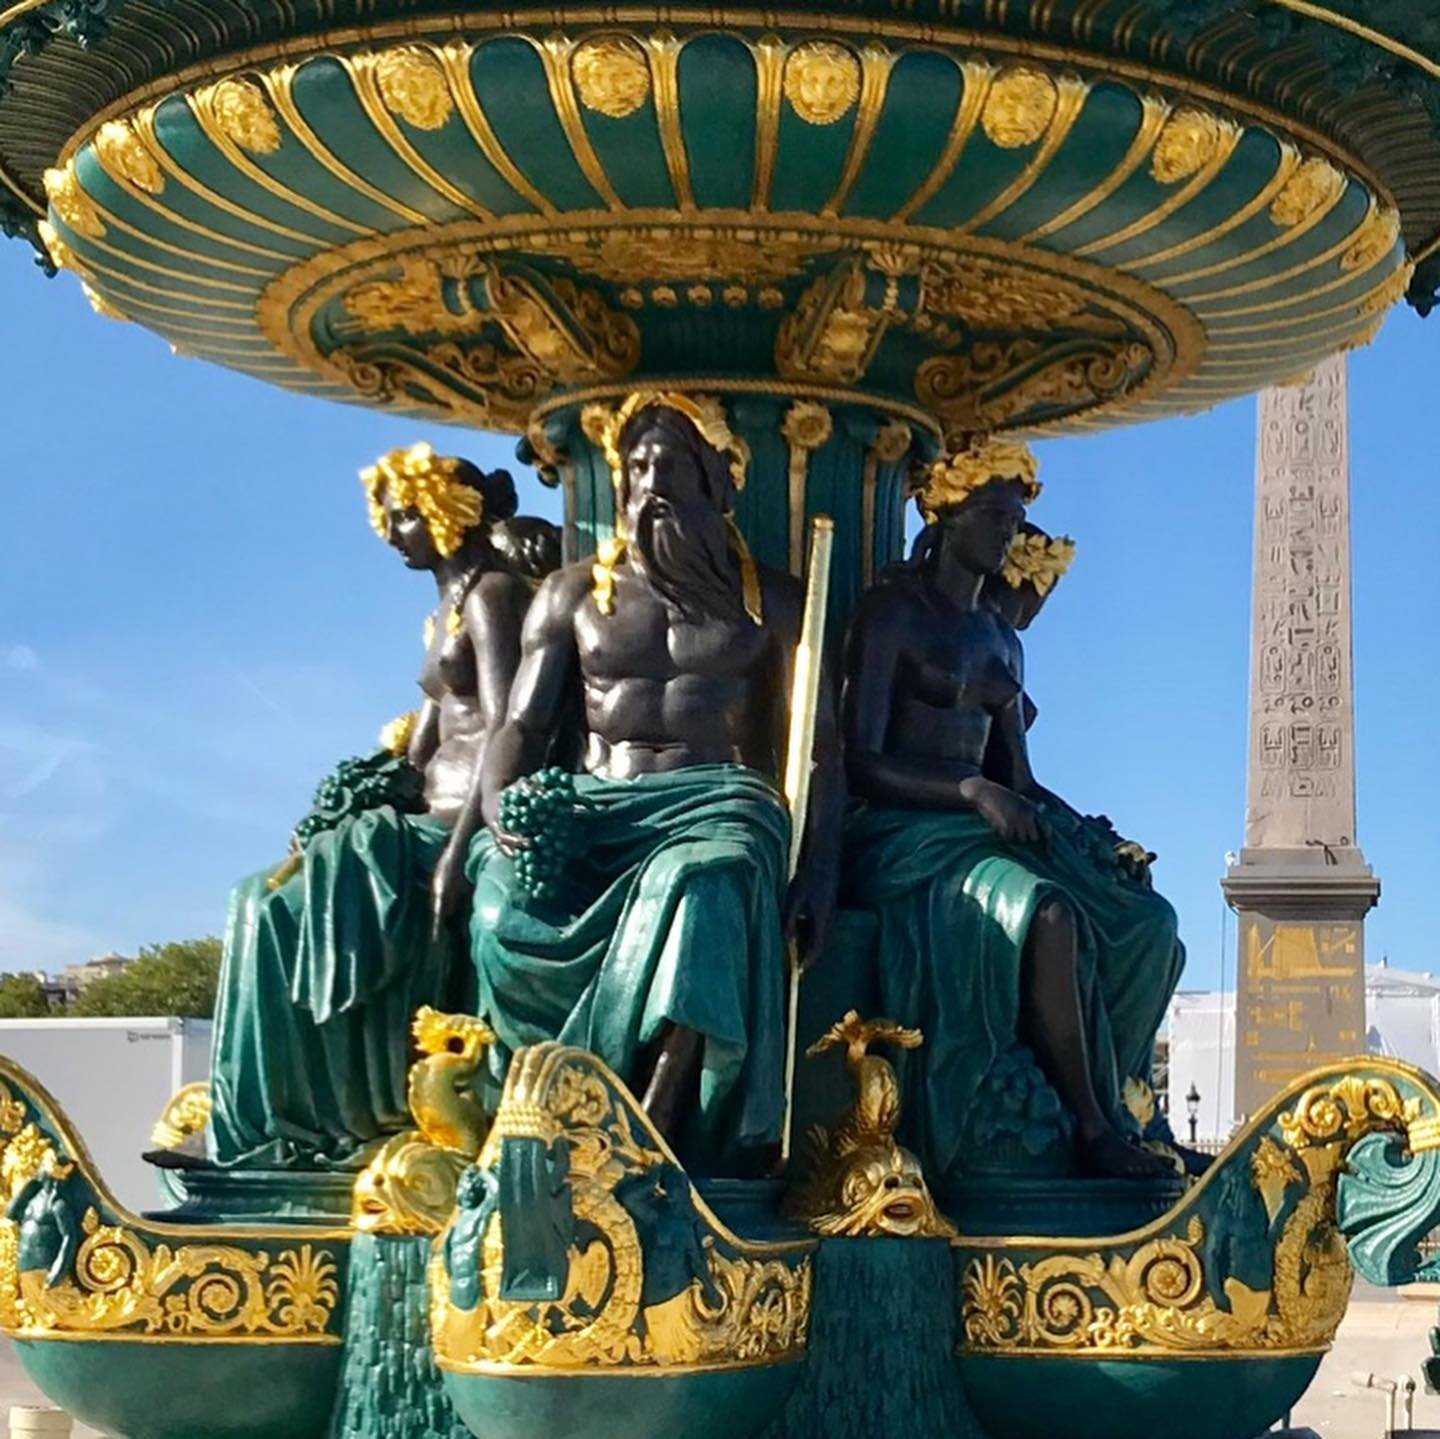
(288, 304)
(944, 39)
(65, 1133)
(735, 385)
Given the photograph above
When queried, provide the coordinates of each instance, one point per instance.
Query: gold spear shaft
(799, 763)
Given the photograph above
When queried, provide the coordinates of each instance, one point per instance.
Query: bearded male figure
(660, 947)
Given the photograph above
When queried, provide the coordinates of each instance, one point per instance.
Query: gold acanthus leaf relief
(662, 254)
(822, 81)
(1019, 108)
(994, 299)
(244, 116)
(413, 85)
(611, 76)
(125, 157)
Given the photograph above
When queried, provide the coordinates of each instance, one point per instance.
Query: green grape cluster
(543, 809)
(362, 783)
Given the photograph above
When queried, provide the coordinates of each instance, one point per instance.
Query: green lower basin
(138, 1390)
(714, 1404)
(1211, 1398)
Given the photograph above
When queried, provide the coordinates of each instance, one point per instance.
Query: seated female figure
(327, 960)
(986, 936)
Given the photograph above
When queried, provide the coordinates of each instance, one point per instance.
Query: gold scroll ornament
(752, 1307)
(125, 1280)
(1157, 1300)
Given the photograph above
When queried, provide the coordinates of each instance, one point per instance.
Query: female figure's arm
(493, 615)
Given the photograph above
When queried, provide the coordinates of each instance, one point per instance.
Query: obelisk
(1301, 888)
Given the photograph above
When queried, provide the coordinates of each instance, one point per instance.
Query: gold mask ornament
(1039, 560)
(952, 480)
(417, 478)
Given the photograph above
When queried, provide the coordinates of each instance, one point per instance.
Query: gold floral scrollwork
(660, 253)
(992, 297)
(822, 81)
(243, 115)
(509, 336)
(413, 86)
(743, 1305)
(125, 157)
(1156, 1298)
(832, 334)
(612, 76)
(68, 199)
(1187, 143)
(120, 1279)
(1373, 241)
(1315, 185)
(993, 383)
(1019, 107)
(195, 1291)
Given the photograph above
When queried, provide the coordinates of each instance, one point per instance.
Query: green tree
(22, 996)
(178, 978)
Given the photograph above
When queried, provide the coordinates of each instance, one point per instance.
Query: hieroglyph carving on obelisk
(1301, 887)
(1302, 720)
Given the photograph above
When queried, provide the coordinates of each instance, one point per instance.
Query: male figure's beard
(685, 555)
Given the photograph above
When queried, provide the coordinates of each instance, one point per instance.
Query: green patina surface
(194, 259)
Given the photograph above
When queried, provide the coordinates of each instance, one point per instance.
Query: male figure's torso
(662, 691)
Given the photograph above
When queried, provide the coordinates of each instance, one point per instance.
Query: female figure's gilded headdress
(417, 478)
(1038, 559)
(949, 481)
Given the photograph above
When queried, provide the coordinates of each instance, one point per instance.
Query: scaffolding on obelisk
(1301, 887)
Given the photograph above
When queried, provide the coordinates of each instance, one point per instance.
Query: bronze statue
(327, 960)
(658, 943)
(987, 935)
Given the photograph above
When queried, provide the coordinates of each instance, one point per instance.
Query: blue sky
(196, 621)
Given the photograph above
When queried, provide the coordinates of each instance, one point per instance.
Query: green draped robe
(670, 916)
(954, 904)
(319, 983)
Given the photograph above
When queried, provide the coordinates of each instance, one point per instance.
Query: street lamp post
(1192, 1104)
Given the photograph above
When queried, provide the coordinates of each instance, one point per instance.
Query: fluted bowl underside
(479, 219)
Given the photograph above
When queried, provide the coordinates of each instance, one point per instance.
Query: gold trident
(799, 763)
